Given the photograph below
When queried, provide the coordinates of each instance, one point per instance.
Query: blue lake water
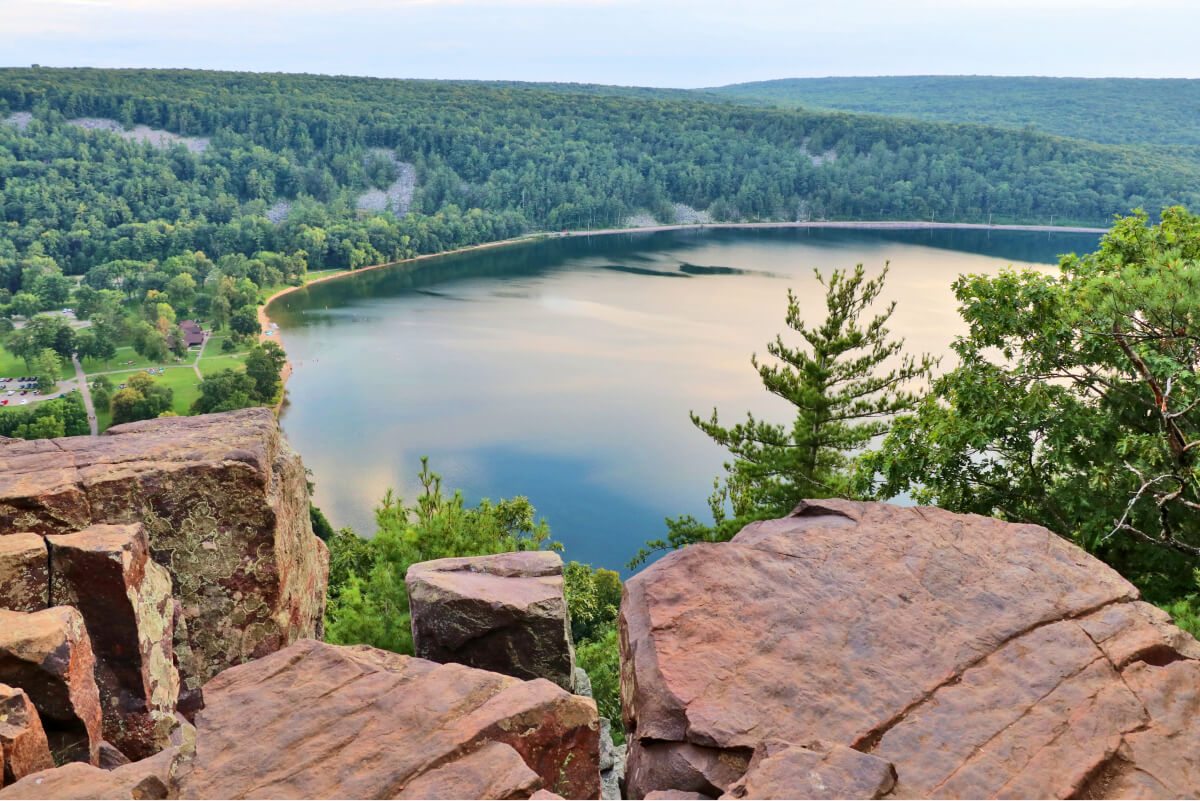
(564, 369)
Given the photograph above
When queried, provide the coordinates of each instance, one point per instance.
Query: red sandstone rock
(981, 659)
(814, 770)
(493, 771)
(48, 655)
(106, 573)
(225, 504)
(23, 748)
(506, 613)
(317, 720)
(24, 583)
(76, 780)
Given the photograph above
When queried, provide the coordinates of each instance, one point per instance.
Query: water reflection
(562, 371)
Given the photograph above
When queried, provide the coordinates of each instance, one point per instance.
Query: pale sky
(681, 43)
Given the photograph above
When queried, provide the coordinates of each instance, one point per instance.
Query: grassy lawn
(185, 384)
(216, 364)
(182, 381)
(14, 366)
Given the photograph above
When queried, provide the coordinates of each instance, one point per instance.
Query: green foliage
(224, 392)
(245, 320)
(320, 524)
(46, 367)
(141, 399)
(601, 660)
(371, 606)
(491, 162)
(263, 364)
(593, 599)
(1076, 405)
(842, 402)
(1113, 110)
(59, 417)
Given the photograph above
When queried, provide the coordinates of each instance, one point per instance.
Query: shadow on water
(539, 257)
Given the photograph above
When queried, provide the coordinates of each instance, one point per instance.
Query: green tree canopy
(372, 607)
(1075, 405)
(844, 397)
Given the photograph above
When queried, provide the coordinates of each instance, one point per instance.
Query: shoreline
(264, 319)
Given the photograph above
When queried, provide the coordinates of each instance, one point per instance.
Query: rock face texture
(24, 578)
(225, 506)
(48, 655)
(23, 748)
(334, 721)
(972, 657)
(506, 613)
(125, 598)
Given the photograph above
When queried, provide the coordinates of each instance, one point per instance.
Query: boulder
(506, 613)
(493, 771)
(976, 657)
(335, 721)
(105, 572)
(815, 770)
(23, 748)
(24, 580)
(224, 501)
(48, 655)
(76, 780)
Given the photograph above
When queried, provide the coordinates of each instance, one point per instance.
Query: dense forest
(286, 158)
(1110, 110)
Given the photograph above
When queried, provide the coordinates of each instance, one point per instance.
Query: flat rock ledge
(868, 650)
(356, 722)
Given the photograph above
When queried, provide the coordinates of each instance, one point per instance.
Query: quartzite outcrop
(506, 613)
(224, 502)
(960, 655)
(326, 721)
(23, 746)
(47, 654)
(106, 573)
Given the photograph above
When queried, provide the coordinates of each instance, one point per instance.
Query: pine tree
(843, 400)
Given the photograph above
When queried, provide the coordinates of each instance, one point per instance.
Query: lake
(564, 370)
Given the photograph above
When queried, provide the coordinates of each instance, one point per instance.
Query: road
(81, 377)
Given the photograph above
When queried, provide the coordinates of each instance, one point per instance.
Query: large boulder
(225, 504)
(24, 578)
(48, 655)
(331, 721)
(23, 747)
(106, 573)
(79, 782)
(506, 613)
(977, 658)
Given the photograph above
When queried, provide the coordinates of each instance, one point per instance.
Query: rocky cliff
(224, 504)
(867, 650)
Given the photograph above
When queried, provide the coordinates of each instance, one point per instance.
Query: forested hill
(353, 171)
(1110, 110)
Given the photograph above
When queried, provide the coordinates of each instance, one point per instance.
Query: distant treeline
(1162, 111)
(493, 161)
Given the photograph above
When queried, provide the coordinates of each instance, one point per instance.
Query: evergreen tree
(842, 398)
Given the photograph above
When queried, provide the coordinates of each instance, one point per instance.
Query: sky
(677, 43)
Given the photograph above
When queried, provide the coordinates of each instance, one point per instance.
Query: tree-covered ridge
(1157, 111)
(493, 161)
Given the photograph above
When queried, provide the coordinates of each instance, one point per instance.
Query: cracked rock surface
(224, 504)
(977, 658)
(328, 721)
